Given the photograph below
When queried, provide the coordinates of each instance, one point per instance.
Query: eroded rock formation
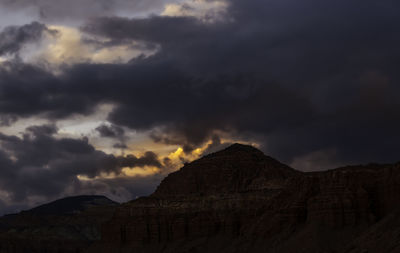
(239, 200)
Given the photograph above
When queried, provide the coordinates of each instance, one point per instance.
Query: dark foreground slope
(239, 200)
(236, 200)
(67, 225)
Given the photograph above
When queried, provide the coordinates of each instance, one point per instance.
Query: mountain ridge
(240, 200)
(315, 212)
(71, 205)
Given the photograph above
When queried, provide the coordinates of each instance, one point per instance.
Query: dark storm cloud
(14, 38)
(112, 131)
(299, 77)
(39, 164)
(215, 145)
(120, 146)
(320, 75)
(148, 159)
(42, 130)
(27, 90)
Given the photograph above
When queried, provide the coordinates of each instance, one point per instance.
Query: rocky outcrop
(239, 200)
(239, 168)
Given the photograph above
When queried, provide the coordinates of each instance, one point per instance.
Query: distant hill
(65, 225)
(71, 205)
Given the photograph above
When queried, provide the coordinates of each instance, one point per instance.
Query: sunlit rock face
(237, 200)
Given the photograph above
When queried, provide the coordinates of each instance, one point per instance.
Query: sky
(109, 96)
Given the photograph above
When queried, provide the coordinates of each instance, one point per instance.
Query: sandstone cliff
(238, 200)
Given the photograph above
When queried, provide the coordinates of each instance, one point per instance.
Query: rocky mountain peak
(238, 168)
(237, 147)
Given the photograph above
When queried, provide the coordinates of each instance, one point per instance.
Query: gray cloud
(58, 10)
(14, 38)
(39, 164)
(112, 131)
(120, 146)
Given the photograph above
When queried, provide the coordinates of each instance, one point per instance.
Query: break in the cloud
(72, 47)
(39, 165)
(205, 10)
(315, 84)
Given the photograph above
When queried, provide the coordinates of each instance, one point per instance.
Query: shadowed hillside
(68, 224)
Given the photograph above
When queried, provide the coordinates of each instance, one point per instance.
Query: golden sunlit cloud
(69, 47)
(176, 155)
(125, 172)
(207, 11)
(171, 160)
(140, 172)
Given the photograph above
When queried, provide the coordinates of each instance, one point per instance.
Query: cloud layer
(315, 84)
(39, 165)
(58, 10)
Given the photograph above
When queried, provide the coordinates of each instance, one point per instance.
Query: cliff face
(235, 200)
(239, 200)
(216, 194)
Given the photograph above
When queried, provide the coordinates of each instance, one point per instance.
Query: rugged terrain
(239, 200)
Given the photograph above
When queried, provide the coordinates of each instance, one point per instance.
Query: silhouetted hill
(238, 168)
(71, 205)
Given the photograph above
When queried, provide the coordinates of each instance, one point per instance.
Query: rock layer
(239, 200)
